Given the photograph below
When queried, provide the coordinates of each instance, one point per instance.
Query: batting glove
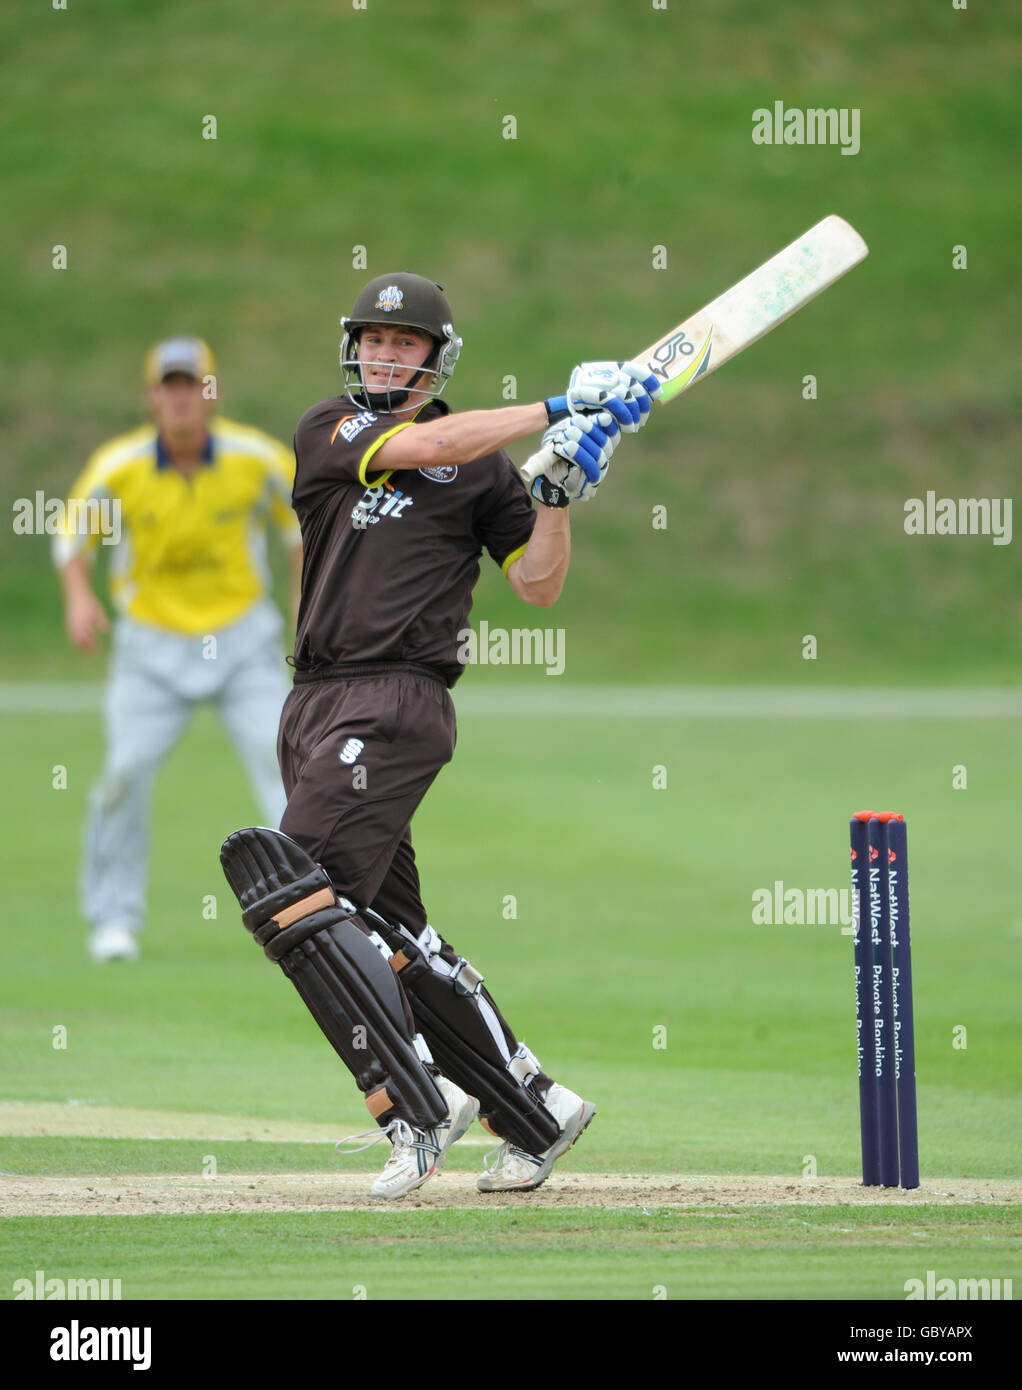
(578, 453)
(643, 391)
(624, 389)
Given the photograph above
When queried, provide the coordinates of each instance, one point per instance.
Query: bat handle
(530, 471)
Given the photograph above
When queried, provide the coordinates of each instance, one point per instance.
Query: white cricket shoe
(514, 1169)
(461, 1111)
(113, 942)
(417, 1154)
(414, 1158)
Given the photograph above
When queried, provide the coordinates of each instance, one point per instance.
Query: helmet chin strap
(386, 402)
(382, 402)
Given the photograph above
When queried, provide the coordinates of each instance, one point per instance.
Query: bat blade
(741, 315)
(754, 306)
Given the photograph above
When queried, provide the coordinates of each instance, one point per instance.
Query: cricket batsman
(195, 623)
(397, 498)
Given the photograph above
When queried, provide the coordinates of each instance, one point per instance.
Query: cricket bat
(745, 312)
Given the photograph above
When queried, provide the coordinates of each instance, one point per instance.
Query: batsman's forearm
(460, 438)
(538, 575)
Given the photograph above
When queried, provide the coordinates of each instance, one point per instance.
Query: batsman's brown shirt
(391, 557)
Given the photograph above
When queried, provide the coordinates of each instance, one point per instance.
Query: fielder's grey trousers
(157, 680)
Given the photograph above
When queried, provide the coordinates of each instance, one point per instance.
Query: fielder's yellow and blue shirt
(192, 550)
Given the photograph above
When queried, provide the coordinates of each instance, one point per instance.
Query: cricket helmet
(414, 302)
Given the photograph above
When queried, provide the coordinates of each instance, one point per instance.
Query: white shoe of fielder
(113, 942)
(515, 1170)
(417, 1154)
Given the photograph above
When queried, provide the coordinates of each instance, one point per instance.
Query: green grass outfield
(383, 129)
(793, 1252)
(633, 926)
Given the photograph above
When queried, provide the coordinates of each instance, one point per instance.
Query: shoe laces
(399, 1133)
(500, 1151)
(503, 1151)
(509, 1150)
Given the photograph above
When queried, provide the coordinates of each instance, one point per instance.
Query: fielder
(193, 493)
(397, 499)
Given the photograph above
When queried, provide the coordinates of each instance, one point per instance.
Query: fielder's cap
(190, 356)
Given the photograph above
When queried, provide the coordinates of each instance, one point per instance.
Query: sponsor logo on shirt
(377, 502)
(441, 473)
(351, 426)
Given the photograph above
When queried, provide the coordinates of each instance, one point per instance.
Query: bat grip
(531, 470)
(534, 467)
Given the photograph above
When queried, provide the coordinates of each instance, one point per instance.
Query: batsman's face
(178, 405)
(397, 351)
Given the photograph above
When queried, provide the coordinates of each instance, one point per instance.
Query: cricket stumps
(883, 1000)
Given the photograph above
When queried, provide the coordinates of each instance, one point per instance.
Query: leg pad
(332, 959)
(467, 1037)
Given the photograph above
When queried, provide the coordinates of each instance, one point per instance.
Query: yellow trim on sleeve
(512, 558)
(380, 440)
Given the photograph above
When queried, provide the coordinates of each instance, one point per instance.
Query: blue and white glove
(577, 454)
(626, 389)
